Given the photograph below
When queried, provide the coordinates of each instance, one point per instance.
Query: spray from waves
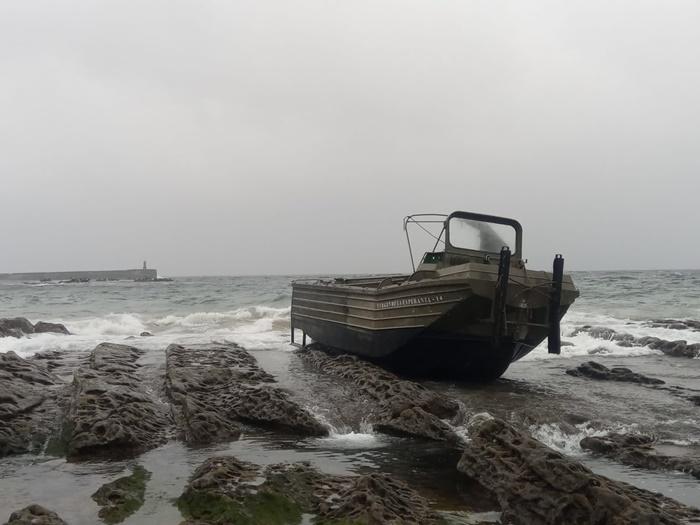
(567, 441)
(582, 344)
(230, 319)
(342, 436)
(255, 328)
(345, 438)
(111, 324)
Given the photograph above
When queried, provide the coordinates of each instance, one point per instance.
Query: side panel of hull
(420, 351)
(373, 344)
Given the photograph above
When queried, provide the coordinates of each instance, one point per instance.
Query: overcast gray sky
(234, 137)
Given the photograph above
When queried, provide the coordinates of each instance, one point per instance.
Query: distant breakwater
(108, 275)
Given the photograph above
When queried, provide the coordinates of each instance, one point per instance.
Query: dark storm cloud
(258, 137)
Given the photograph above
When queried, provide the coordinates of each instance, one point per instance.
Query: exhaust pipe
(554, 338)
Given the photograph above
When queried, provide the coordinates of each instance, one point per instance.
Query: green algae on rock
(122, 497)
(35, 515)
(226, 490)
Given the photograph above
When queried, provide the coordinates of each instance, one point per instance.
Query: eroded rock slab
(535, 484)
(401, 407)
(213, 386)
(679, 348)
(122, 497)
(35, 515)
(111, 412)
(637, 450)
(227, 490)
(593, 370)
(28, 404)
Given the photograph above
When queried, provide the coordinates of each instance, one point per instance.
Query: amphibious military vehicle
(468, 310)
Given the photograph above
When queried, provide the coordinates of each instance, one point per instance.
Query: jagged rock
(122, 497)
(594, 370)
(678, 348)
(212, 386)
(28, 404)
(35, 515)
(58, 328)
(111, 412)
(637, 450)
(401, 407)
(15, 327)
(227, 490)
(535, 484)
(19, 327)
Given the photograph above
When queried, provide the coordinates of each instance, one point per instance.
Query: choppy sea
(254, 311)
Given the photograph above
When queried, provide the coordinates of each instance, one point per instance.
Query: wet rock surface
(637, 450)
(594, 370)
(35, 515)
(111, 411)
(56, 328)
(535, 484)
(228, 490)
(213, 386)
(28, 404)
(20, 326)
(679, 348)
(675, 324)
(122, 497)
(15, 327)
(401, 407)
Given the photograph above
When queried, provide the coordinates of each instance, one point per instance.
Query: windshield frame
(480, 217)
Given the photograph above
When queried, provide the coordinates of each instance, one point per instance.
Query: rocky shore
(677, 348)
(119, 402)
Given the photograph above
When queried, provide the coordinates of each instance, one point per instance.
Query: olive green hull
(443, 320)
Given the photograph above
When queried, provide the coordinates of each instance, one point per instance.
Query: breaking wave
(577, 343)
(567, 439)
(254, 327)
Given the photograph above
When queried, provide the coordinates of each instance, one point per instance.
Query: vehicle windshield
(469, 234)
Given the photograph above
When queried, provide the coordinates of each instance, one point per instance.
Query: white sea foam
(351, 440)
(111, 324)
(567, 441)
(681, 442)
(255, 328)
(344, 437)
(584, 344)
